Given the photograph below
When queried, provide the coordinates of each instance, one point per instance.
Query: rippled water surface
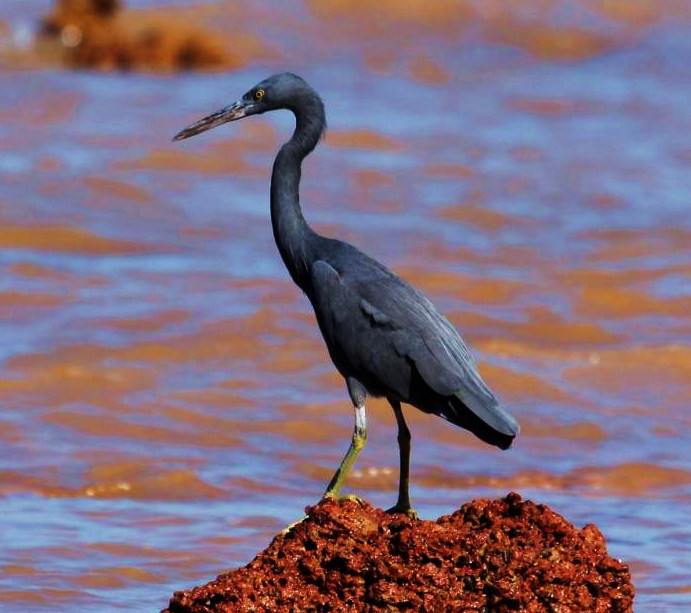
(167, 403)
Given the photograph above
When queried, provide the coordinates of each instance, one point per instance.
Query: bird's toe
(339, 498)
(404, 509)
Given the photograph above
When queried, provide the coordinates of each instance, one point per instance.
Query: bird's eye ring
(259, 94)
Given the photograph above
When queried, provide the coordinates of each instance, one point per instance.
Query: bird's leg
(358, 395)
(356, 444)
(403, 505)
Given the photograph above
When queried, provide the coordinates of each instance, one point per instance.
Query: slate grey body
(383, 335)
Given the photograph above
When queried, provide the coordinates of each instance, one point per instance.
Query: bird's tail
(482, 416)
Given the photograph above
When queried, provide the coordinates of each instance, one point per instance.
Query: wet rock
(102, 34)
(490, 555)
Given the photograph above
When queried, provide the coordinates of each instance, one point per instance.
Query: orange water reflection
(64, 239)
(167, 401)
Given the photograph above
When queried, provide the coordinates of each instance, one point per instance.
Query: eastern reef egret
(384, 336)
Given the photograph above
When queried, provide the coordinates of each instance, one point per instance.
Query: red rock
(103, 35)
(489, 555)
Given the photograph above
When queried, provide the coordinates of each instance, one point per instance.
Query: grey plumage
(383, 335)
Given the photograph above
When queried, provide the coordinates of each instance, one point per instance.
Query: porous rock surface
(490, 555)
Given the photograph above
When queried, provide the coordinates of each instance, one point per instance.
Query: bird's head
(276, 92)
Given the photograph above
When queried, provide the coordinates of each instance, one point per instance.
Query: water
(167, 401)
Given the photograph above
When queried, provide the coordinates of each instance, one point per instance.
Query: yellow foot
(405, 509)
(353, 497)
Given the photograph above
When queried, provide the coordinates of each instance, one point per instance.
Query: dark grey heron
(383, 335)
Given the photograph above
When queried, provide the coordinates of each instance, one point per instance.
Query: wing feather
(375, 325)
(415, 327)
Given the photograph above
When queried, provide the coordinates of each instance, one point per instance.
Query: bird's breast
(363, 350)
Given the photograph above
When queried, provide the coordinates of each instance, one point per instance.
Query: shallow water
(167, 401)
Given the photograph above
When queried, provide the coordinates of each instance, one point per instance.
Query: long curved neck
(293, 235)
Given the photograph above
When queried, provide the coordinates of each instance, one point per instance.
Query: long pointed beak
(237, 110)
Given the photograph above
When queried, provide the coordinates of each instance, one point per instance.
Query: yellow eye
(259, 94)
